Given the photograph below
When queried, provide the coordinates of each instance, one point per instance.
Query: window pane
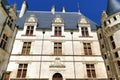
(88, 73)
(20, 65)
(25, 65)
(87, 65)
(24, 73)
(92, 65)
(19, 73)
(93, 73)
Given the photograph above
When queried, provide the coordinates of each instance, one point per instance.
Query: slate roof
(45, 19)
(112, 7)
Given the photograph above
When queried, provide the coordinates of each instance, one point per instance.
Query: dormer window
(29, 30)
(30, 25)
(58, 31)
(84, 31)
(58, 24)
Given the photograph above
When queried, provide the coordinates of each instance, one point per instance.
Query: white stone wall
(48, 57)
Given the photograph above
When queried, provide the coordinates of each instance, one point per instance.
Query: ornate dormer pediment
(32, 19)
(83, 20)
(58, 20)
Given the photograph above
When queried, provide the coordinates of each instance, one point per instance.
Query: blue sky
(90, 8)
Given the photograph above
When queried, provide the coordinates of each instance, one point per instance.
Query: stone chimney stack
(63, 9)
(53, 9)
(23, 9)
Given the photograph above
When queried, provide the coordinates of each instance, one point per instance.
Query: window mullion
(57, 48)
(25, 48)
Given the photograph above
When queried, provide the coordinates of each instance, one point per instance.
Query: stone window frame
(87, 48)
(84, 32)
(22, 70)
(91, 72)
(58, 31)
(29, 30)
(4, 42)
(57, 48)
(10, 22)
(26, 48)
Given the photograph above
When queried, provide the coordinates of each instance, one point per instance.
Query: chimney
(23, 8)
(53, 9)
(63, 9)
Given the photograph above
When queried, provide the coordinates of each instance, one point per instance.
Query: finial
(78, 8)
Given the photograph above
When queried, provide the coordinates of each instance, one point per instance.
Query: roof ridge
(50, 12)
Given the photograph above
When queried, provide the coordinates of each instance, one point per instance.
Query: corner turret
(112, 7)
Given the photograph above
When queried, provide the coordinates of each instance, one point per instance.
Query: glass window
(116, 54)
(114, 18)
(4, 41)
(58, 31)
(100, 36)
(29, 30)
(58, 48)
(84, 31)
(90, 70)
(87, 48)
(105, 23)
(26, 48)
(10, 21)
(112, 42)
(22, 70)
